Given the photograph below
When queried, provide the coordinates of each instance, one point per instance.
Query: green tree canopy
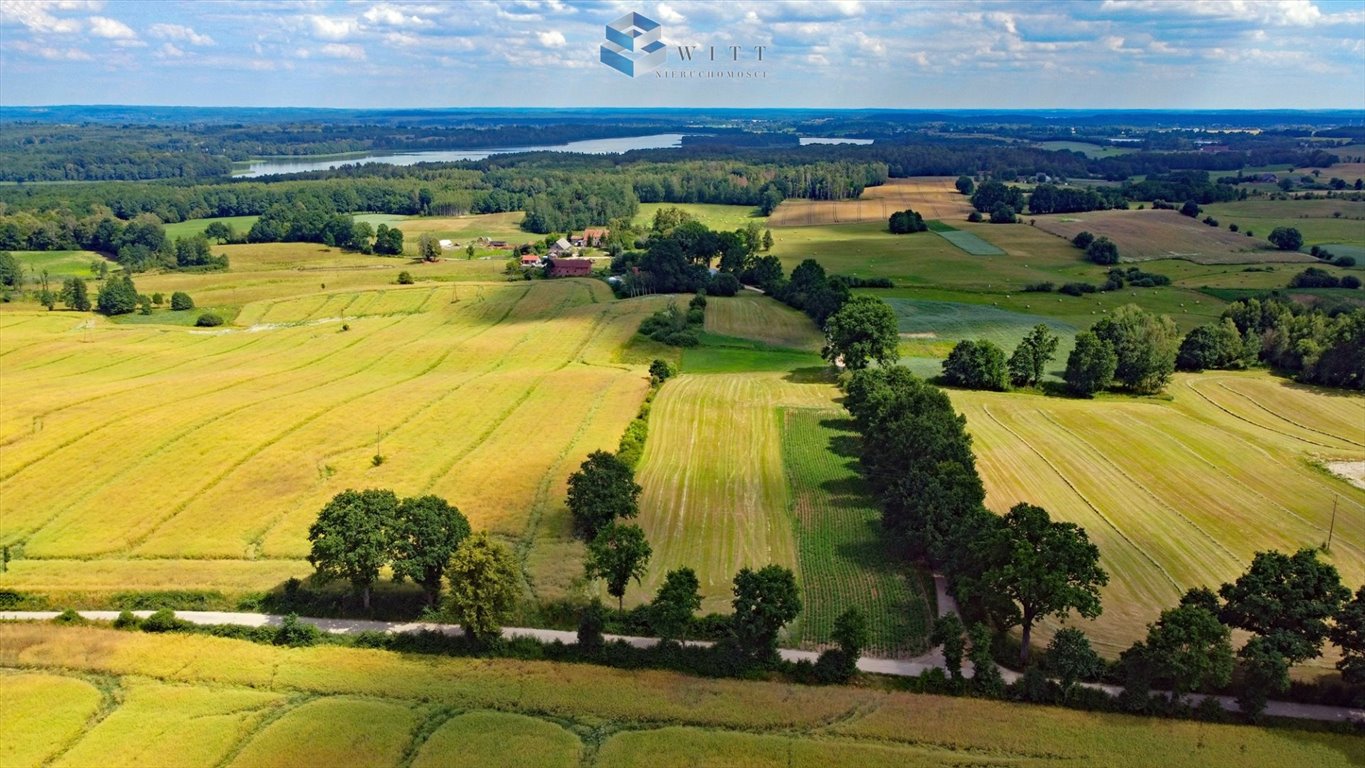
(353, 537)
(1286, 599)
(181, 301)
(679, 597)
(976, 365)
(1070, 657)
(483, 578)
(75, 295)
(1028, 364)
(1102, 250)
(427, 531)
(862, 331)
(1286, 238)
(1188, 648)
(1090, 366)
(765, 600)
(1217, 346)
(618, 554)
(601, 491)
(1045, 568)
(118, 296)
(1348, 634)
(1144, 344)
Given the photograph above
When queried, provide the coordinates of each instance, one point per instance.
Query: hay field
(380, 708)
(933, 197)
(154, 454)
(756, 317)
(1153, 234)
(1178, 493)
(722, 218)
(715, 494)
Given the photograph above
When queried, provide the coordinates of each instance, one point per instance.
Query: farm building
(561, 246)
(593, 238)
(570, 267)
(530, 260)
(447, 244)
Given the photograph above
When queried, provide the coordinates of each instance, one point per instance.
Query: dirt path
(896, 667)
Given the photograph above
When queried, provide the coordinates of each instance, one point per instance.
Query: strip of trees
(1316, 345)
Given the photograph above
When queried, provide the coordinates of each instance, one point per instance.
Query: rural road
(895, 667)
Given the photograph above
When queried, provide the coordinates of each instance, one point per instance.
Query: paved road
(895, 667)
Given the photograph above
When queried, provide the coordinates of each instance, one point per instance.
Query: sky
(1006, 54)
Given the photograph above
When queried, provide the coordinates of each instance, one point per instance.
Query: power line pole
(1333, 525)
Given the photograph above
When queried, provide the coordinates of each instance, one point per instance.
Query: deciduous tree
(483, 585)
(352, 538)
(618, 554)
(765, 600)
(600, 492)
(976, 365)
(1090, 366)
(1028, 364)
(862, 331)
(1045, 568)
(1286, 599)
(427, 531)
(678, 599)
(1348, 634)
(1189, 648)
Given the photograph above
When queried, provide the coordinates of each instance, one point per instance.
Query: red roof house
(570, 267)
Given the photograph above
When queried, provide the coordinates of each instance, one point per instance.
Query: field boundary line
(1190, 385)
(986, 409)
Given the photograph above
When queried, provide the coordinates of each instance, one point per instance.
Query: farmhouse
(570, 267)
(531, 260)
(561, 246)
(593, 238)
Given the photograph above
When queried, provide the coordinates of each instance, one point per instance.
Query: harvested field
(1152, 234)
(933, 197)
(383, 709)
(752, 316)
(1158, 490)
(715, 493)
(134, 447)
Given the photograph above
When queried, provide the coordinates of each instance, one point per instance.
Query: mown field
(1317, 220)
(59, 265)
(722, 218)
(82, 696)
(1153, 234)
(1181, 492)
(152, 457)
(933, 197)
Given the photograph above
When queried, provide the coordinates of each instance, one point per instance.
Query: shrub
(69, 616)
(1002, 214)
(1350, 281)
(163, 620)
(1077, 289)
(1190, 208)
(660, 371)
(1344, 261)
(1102, 251)
(723, 284)
(974, 216)
(296, 634)
(1083, 240)
(405, 278)
(127, 620)
(179, 301)
(1314, 278)
(1039, 288)
(591, 622)
(1232, 227)
(1209, 220)
(209, 320)
(697, 302)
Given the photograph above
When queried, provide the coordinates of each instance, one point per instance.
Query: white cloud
(342, 51)
(51, 53)
(552, 39)
(36, 17)
(332, 28)
(169, 51)
(668, 14)
(111, 29)
(178, 33)
(391, 16)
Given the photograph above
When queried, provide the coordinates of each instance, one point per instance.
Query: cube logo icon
(632, 46)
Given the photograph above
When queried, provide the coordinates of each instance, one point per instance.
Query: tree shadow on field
(1349, 746)
(847, 493)
(816, 374)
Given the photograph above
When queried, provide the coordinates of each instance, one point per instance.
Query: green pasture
(59, 265)
(191, 227)
(726, 218)
(930, 329)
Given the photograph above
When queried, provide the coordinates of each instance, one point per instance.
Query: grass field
(933, 197)
(378, 708)
(840, 549)
(155, 454)
(1085, 148)
(191, 227)
(930, 329)
(1152, 234)
(1159, 488)
(722, 218)
(1315, 219)
(969, 242)
(715, 494)
(59, 265)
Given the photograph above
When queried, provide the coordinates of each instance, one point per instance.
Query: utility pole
(1333, 525)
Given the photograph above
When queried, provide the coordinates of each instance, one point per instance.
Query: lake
(271, 165)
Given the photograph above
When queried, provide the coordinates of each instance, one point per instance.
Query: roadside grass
(1156, 487)
(369, 707)
(843, 556)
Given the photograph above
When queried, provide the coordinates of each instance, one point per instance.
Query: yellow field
(933, 197)
(715, 496)
(1181, 493)
(171, 456)
(752, 316)
(362, 707)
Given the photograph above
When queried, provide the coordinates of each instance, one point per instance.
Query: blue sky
(1226, 54)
